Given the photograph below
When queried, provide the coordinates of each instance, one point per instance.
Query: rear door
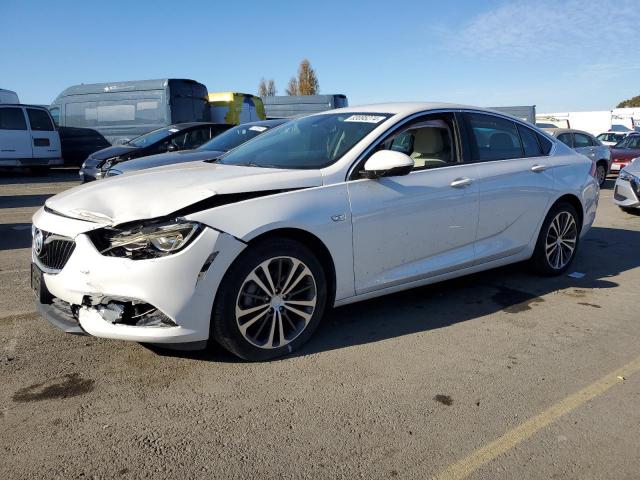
(15, 140)
(514, 183)
(44, 136)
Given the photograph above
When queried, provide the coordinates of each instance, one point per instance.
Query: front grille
(55, 250)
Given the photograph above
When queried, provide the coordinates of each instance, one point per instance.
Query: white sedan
(626, 193)
(251, 249)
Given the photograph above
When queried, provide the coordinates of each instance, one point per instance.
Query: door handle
(461, 182)
(538, 168)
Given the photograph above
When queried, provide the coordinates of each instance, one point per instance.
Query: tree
(262, 88)
(271, 88)
(307, 79)
(632, 102)
(292, 88)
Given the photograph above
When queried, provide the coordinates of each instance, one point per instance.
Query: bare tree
(271, 88)
(307, 79)
(262, 88)
(292, 88)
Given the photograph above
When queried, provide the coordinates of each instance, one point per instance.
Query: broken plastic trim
(129, 312)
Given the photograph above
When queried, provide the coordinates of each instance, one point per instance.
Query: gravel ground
(405, 386)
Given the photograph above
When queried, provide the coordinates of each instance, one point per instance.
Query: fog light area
(130, 312)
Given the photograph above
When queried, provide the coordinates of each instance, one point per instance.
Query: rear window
(529, 142)
(39, 120)
(12, 119)
(493, 138)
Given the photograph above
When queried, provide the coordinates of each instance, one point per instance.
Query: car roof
(265, 123)
(559, 131)
(182, 126)
(23, 105)
(408, 108)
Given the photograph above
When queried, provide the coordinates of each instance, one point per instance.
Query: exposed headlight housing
(142, 241)
(629, 177)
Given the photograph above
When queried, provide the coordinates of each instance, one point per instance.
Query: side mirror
(387, 163)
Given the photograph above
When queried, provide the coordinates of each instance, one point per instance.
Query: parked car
(8, 96)
(624, 152)
(79, 143)
(626, 193)
(121, 111)
(329, 209)
(28, 138)
(182, 136)
(612, 138)
(208, 151)
(589, 146)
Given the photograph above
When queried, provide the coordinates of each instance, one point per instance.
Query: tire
(554, 264)
(601, 173)
(285, 326)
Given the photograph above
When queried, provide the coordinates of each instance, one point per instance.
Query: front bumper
(89, 174)
(181, 286)
(626, 194)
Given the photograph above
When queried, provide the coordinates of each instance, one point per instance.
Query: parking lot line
(466, 466)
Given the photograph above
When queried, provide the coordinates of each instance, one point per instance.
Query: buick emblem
(38, 241)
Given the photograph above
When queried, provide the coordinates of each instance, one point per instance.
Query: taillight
(592, 172)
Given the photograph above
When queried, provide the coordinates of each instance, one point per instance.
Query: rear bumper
(31, 162)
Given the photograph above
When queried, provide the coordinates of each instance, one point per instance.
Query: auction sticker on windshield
(257, 128)
(365, 118)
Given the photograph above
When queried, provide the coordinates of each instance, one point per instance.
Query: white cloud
(525, 29)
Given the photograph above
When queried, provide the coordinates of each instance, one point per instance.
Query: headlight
(146, 241)
(624, 175)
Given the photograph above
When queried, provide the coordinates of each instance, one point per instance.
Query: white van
(8, 96)
(28, 138)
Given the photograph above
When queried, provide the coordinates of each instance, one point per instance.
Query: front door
(44, 137)
(411, 227)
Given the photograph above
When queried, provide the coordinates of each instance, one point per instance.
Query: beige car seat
(429, 149)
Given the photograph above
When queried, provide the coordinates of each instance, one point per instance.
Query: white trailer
(595, 122)
(8, 96)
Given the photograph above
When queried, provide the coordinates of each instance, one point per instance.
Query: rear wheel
(270, 301)
(601, 173)
(558, 240)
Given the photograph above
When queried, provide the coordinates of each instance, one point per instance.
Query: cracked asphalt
(499, 375)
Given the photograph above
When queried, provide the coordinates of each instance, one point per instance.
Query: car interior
(428, 143)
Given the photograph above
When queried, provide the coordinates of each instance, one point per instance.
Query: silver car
(589, 146)
(626, 193)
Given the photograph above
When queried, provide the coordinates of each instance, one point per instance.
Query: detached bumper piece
(60, 314)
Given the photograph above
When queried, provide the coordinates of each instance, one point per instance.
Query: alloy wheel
(561, 240)
(276, 302)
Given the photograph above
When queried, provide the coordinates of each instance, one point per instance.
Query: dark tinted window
(545, 144)
(493, 138)
(234, 137)
(529, 142)
(39, 120)
(581, 140)
(566, 139)
(141, 111)
(55, 114)
(12, 119)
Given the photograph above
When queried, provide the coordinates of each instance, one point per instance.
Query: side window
(566, 139)
(581, 140)
(195, 138)
(12, 119)
(492, 138)
(55, 114)
(429, 142)
(545, 144)
(529, 142)
(39, 120)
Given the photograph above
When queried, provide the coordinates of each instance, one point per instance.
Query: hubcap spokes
(561, 240)
(276, 302)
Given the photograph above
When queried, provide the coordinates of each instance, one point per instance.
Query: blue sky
(560, 55)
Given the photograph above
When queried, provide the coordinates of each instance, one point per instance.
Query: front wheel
(270, 301)
(558, 241)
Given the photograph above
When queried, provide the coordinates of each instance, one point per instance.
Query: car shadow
(603, 254)
(10, 176)
(14, 236)
(20, 201)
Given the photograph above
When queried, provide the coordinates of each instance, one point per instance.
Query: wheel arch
(315, 244)
(574, 201)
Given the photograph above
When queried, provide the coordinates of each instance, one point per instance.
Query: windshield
(307, 143)
(233, 137)
(632, 141)
(152, 137)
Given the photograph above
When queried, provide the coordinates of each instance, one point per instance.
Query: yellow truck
(235, 108)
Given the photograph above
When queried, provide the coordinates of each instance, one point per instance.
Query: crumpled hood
(162, 159)
(160, 191)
